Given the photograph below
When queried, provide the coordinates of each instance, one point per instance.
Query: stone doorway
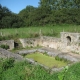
(68, 40)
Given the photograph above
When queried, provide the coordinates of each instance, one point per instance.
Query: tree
(9, 19)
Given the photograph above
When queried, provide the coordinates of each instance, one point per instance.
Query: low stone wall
(51, 42)
(43, 41)
(10, 43)
(30, 42)
(50, 53)
(69, 42)
(6, 54)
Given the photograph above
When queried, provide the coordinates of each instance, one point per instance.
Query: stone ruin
(10, 43)
(68, 42)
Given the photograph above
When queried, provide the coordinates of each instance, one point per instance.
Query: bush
(60, 59)
(2, 38)
(8, 63)
(4, 46)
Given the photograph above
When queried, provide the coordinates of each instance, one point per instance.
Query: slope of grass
(29, 32)
(46, 60)
(73, 72)
(25, 71)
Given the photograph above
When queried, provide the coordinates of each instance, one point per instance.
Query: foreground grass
(29, 32)
(46, 60)
(25, 71)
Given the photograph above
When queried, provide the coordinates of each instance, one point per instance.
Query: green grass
(25, 71)
(29, 32)
(46, 60)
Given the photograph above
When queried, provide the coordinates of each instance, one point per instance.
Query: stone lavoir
(68, 42)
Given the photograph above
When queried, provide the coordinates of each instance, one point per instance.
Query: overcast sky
(17, 5)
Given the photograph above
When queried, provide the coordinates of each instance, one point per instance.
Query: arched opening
(68, 40)
(16, 44)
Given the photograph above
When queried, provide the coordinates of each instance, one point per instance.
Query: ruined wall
(10, 43)
(51, 42)
(42, 41)
(30, 42)
(70, 41)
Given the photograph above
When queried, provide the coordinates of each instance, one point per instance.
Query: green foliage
(2, 38)
(51, 12)
(9, 19)
(8, 63)
(32, 32)
(60, 59)
(26, 71)
(48, 12)
(45, 53)
(4, 46)
(61, 74)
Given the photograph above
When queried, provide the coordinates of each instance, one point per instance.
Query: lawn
(46, 60)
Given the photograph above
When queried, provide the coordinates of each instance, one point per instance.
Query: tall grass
(25, 71)
(48, 30)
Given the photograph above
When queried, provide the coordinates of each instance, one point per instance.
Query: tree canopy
(9, 19)
(48, 12)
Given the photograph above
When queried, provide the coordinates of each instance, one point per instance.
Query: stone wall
(44, 41)
(30, 42)
(7, 54)
(10, 43)
(50, 42)
(68, 42)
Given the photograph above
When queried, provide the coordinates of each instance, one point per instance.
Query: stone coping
(50, 53)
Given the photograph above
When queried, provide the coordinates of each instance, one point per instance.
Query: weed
(4, 46)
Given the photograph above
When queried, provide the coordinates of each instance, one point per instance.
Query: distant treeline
(48, 12)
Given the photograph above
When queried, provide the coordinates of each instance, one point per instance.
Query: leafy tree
(9, 19)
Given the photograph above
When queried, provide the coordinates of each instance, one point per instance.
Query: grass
(29, 32)
(46, 60)
(25, 71)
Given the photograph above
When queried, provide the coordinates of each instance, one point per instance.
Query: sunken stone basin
(38, 56)
(44, 59)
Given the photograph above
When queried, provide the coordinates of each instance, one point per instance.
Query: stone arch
(68, 40)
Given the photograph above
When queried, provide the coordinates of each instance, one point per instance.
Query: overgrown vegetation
(61, 59)
(48, 12)
(4, 46)
(26, 71)
(32, 32)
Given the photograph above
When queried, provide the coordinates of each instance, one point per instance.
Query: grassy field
(46, 60)
(30, 32)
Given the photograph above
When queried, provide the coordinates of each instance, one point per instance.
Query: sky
(17, 5)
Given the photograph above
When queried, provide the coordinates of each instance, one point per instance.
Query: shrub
(61, 59)
(2, 38)
(45, 53)
(4, 46)
(8, 63)
(58, 58)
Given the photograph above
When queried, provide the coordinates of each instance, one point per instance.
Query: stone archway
(68, 40)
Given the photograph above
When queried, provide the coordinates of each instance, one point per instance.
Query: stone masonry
(68, 42)
(10, 43)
